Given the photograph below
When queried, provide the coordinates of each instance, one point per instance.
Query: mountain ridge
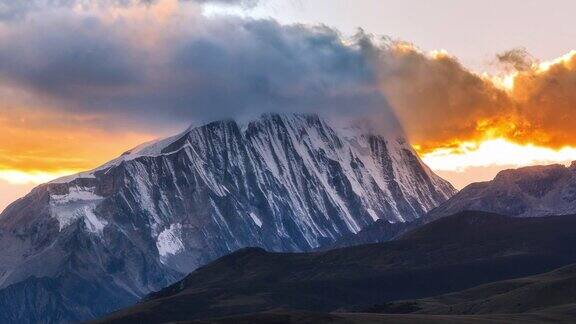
(533, 191)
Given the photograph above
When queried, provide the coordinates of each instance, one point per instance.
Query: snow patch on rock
(78, 203)
(92, 222)
(169, 242)
(256, 219)
(75, 194)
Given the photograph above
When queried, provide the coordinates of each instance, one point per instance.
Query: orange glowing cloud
(443, 105)
(439, 102)
(37, 147)
(462, 121)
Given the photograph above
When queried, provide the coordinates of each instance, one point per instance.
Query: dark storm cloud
(64, 57)
(225, 67)
(262, 66)
(166, 65)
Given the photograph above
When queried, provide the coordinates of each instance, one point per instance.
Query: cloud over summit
(136, 63)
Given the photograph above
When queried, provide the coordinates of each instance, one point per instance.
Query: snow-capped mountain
(526, 192)
(84, 245)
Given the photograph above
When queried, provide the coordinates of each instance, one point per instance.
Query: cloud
(244, 3)
(547, 99)
(518, 58)
(163, 65)
(141, 69)
(80, 85)
(10, 10)
(42, 141)
(14, 9)
(439, 102)
(442, 104)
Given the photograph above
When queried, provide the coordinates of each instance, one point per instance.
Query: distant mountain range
(526, 192)
(535, 191)
(85, 245)
(454, 253)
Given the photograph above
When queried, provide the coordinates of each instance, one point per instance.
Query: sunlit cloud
(562, 60)
(38, 146)
(503, 81)
(442, 104)
(18, 177)
(533, 68)
(495, 152)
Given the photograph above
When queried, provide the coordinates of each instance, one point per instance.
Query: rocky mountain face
(82, 246)
(526, 192)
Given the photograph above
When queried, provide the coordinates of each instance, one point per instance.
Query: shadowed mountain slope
(553, 291)
(451, 254)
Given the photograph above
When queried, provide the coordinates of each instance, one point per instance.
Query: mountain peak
(300, 122)
(284, 182)
(535, 170)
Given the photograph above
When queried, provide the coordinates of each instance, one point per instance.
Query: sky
(477, 86)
